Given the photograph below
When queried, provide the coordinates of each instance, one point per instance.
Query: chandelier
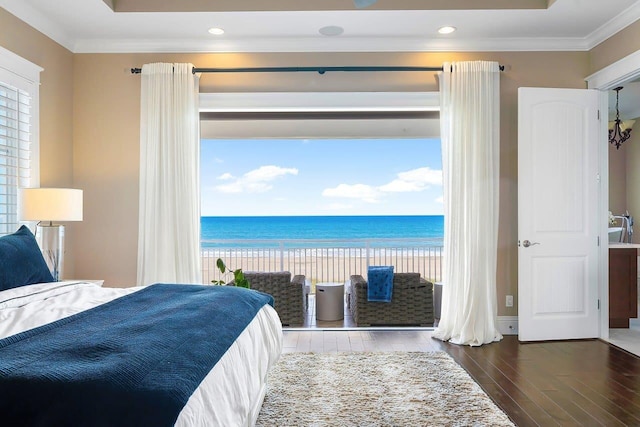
(619, 131)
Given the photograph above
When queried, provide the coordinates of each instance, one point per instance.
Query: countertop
(624, 245)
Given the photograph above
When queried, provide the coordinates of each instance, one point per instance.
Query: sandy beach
(321, 267)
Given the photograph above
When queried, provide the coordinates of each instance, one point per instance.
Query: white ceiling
(629, 104)
(85, 26)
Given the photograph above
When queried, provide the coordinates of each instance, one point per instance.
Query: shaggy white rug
(375, 389)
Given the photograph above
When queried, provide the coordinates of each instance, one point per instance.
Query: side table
(329, 301)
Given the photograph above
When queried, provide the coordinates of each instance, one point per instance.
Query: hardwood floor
(586, 383)
(568, 383)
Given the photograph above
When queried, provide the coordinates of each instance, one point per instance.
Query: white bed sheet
(230, 395)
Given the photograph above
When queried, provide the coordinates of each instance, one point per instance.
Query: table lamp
(47, 205)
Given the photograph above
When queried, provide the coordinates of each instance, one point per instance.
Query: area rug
(375, 389)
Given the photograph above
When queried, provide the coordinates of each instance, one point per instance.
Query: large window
(339, 176)
(320, 154)
(321, 184)
(19, 149)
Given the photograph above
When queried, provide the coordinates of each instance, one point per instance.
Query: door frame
(571, 264)
(621, 71)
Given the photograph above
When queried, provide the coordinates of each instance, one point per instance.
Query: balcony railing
(323, 260)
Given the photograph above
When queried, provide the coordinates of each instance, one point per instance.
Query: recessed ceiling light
(216, 31)
(446, 30)
(331, 30)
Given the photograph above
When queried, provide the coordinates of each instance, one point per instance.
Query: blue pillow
(21, 261)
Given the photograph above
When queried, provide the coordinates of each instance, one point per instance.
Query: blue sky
(321, 177)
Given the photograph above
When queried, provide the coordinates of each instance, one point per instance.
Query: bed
(75, 353)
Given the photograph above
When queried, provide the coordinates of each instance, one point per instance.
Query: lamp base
(50, 238)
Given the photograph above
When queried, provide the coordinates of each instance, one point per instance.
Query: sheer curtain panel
(470, 134)
(169, 221)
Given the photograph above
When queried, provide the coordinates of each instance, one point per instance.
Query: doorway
(619, 188)
(624, 203)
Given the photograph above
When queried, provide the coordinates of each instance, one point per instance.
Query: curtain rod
(320, 70)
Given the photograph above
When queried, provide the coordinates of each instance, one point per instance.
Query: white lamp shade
(50, 204)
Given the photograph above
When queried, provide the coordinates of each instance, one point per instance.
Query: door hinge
(598, 114)
(598, 240)
(598, 304)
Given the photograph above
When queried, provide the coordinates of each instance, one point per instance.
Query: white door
(557, 214)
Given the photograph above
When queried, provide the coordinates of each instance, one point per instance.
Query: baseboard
(508, 325)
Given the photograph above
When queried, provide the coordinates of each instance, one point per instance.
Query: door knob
(527, 243)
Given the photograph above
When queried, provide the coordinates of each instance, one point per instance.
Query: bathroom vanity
(623, 283)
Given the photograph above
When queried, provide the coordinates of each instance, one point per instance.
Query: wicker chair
(289, 295)
(411, 303)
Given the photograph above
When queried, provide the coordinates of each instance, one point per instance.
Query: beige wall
(56, 102)
(56, 96)
(615, 48)
(106, 120)
(93, 101)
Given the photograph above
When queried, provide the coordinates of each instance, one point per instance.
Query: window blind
(15, 152)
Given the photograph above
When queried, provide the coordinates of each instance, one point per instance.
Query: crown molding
(337, 45)
(42, 23)
(614, 25)
(23, 11)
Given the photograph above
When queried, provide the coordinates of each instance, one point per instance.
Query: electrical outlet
(509, 301)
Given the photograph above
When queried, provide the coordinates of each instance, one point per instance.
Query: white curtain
(169, 219)
(470, 134)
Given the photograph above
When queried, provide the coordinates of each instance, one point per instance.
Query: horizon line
(316, 216)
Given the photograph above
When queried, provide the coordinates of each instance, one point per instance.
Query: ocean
(323, 227)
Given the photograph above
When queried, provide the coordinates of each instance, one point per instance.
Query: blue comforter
(134, 361)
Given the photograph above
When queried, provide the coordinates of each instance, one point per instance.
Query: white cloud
(268, 173)
(255, 181)
(413, 181)
(218, 160)
(364, 192)
(440, 200)
(410, 181)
